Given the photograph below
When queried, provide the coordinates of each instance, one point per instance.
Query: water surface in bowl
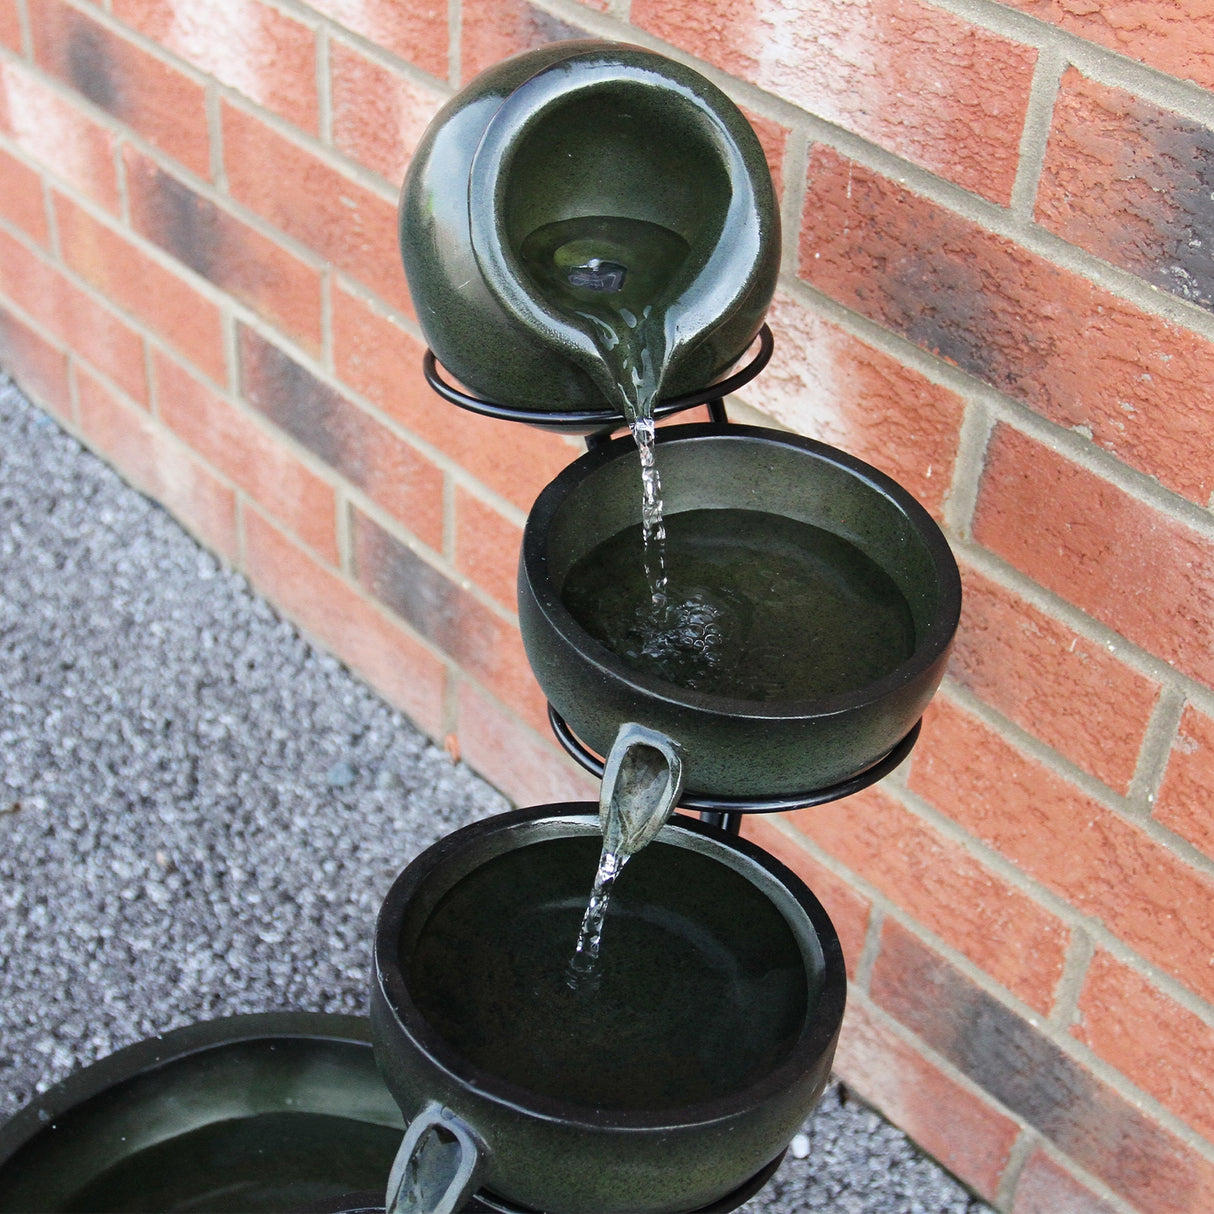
(758, 607)
(701, 987)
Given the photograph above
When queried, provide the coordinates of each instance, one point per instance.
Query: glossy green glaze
(737, 747)
(569, 131)
(550, 1153)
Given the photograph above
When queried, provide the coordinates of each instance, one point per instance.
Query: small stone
(340, 775)
(799, 1147)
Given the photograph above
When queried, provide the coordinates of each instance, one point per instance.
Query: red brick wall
(998, 286)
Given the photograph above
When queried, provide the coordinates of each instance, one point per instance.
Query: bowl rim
(930, 647)
(815, 1041)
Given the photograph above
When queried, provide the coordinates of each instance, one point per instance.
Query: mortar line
(1079, 954)
(1034, 138)
(455, 43)
(1156, 749)
(961, 499)
(1026, 1142)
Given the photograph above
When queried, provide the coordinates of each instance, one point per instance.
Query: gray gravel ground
(199, 812)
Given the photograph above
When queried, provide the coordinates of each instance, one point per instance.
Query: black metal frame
(726, 812)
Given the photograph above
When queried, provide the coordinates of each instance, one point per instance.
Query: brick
(154, 463)
(833, 387)
(925, 84)
(1183, 804)
(1131, 182)
(487, 547)
(486, 646)
(499, 747)
(155, 100)
(1101, 863)
(249, 456)
(258, 50)
(1177, 39)
(1070, 692)
(1147, 576)
(1074, 352)
(849, 911)
(381, 360)
(21, 199)
(73, 317)
(57, 133)
(493, 30)
(964, 1132)
(379, 114)
(416, 31)
(1164, 1048)
(342, 621)
(392, 472)
(314, 203)
(167, 304)
(1038, 1081)
(10, 26)
(998, 927)
(1046, 1187)
(280, 287)
(37, 366)
(773, 136)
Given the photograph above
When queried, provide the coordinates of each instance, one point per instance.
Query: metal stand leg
(731, 824)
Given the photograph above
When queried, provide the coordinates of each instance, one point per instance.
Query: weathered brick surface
(10, 25)
(929, 1105)
(484, 644)
(921, 82)
(59, 134)
(379, 115)
(279, 286)
(416, 31)
(1076, 353)
(492, 30)
(366, 453)
(343, 622)
(378, 358)
(1103, 864)
(525, 765)
(167, 304)
(1186, 797)
(162, 104)
(825, 383)
(1163, 1047)
(21, 200)
(38, 366)
(1133, 183)
(73, 316)
(1146, 575)
(1176, 38)
(249, 456)
(259, 50)
(997, 926)
(310, 200)
(1036, 1080)
(146, 455)
(1045, 1186)
(487, 547)
(1067, 690)
(848, 909)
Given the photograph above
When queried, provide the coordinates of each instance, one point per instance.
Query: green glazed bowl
(541, 1151)
(737, 747)
(578, 129)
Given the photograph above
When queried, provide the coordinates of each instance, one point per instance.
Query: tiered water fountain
(724, 618)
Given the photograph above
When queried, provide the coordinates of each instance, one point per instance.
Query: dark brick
(450, 617)
(347, 438)
(1133, 183)
(1031, 1076)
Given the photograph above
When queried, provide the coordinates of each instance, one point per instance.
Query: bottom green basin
(261, 1114)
